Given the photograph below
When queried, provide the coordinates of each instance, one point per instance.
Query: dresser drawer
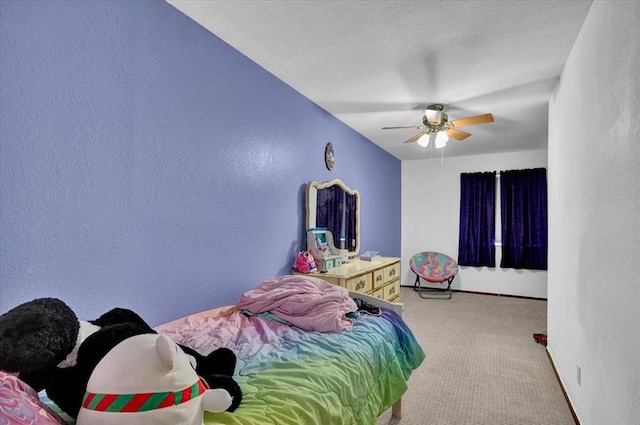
(378, 278)
(378, 294)
(391, 290)
(361, 283)
(331, 280)
(391, 272)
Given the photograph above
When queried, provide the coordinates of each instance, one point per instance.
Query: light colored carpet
(483, 366)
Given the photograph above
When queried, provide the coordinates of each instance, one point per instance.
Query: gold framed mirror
(336, 207)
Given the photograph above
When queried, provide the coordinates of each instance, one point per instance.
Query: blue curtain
(523, 196)
(350, 222)
(329, 210)
(477, 219)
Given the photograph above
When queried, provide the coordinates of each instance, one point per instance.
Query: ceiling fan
(436, 125)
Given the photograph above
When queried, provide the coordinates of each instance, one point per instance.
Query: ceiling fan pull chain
(442, 166)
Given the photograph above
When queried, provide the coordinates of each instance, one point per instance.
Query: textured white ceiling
(378, 63)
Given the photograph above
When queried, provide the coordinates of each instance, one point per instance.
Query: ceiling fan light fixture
(424, 140)
(441, 139)
(437, 126)
(433, 117)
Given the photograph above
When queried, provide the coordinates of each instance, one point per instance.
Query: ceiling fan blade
(478, 119)
(419, 127)
(414, 137)
(457, 134)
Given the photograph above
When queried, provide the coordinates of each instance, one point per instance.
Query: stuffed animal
(305, 263)
(34, 336)
(46, 346)
(148, 380)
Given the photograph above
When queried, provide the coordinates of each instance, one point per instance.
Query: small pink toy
(305, 263)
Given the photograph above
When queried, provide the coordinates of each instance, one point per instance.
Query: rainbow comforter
(292, 376)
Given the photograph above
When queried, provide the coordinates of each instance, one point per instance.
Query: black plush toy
(44, 343)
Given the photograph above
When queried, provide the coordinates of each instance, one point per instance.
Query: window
(523, 219)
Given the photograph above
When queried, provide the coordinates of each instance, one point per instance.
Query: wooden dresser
(379, 278)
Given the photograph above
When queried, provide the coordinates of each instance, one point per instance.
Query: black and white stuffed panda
(46, 346)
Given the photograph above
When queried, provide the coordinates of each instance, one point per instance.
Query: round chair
(433, 267)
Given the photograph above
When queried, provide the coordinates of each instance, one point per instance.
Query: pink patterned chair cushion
(20, 405)
(433, 266)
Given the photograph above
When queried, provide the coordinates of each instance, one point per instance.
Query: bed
(288, 375)
(292, 376)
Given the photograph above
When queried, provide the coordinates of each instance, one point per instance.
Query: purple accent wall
(146, 164)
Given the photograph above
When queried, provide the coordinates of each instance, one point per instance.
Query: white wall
(594, 229)
(430, 219)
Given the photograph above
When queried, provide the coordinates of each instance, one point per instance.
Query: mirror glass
(335, 206)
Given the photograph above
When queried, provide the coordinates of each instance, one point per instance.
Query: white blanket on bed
(304, 301)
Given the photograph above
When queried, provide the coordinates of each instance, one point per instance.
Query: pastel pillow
(20, 405)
